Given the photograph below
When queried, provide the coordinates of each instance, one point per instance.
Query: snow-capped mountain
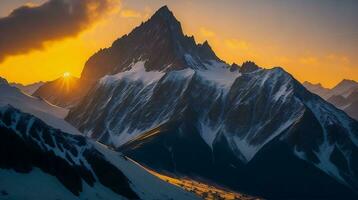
(50, 114)
(344, 95)
(40, 162)
(28, 89)
(256, 130)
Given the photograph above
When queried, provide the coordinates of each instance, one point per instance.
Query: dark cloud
(27, 28)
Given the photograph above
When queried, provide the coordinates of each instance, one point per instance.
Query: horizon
(226, 37)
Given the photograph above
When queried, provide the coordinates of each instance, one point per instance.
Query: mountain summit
(160, 41)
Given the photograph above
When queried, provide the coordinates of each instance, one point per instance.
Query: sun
(66, 74)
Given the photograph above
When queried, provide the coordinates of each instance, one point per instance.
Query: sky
(314, 40)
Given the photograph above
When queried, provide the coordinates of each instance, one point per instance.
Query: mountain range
(52, 115)
(344, 95)
(28, 89)
(174, 106)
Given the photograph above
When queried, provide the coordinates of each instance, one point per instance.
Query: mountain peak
(167, 15)
(234, 67)
(164, 11)
(248, 67)
(307, 83)
(3, 81)
(347, 81)
(345, 84)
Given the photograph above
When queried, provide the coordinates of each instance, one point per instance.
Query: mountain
(162, 33)
(63, 92)
(348, 104)
(345, 88)
(50, 114)
(242, 127)
(40, 162)
(318, 89)
(344, 95)
(28, 89)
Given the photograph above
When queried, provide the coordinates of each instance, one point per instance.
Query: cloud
(206, 32)
(309, 60)
(29, 27)
(129, 13)
(237, 44)
(338, 58)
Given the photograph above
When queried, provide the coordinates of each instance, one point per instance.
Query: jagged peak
(205, 45)
(165, 14)
(348, 81)
(3, 81)
(234, 67)
(164, 11)
(248, 66)
(312, 84)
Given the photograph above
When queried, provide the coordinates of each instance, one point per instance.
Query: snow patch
(136, 73)
(218, 74)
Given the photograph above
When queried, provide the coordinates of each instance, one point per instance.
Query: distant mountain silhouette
(64, 91)
(344, 95)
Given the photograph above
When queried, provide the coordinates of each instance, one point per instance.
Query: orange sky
(308, 50)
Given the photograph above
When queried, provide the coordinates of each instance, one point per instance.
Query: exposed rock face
(248, 67)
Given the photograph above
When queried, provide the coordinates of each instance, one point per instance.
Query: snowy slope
(51, 164)
(28, 89)
(52, 115)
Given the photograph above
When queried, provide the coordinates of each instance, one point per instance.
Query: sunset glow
(179, 99)
(66, 74)
(305, 44)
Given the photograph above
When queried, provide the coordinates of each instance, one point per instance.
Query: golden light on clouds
(128, 13)
(53, 20)
(237, 44)
(206, 32)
